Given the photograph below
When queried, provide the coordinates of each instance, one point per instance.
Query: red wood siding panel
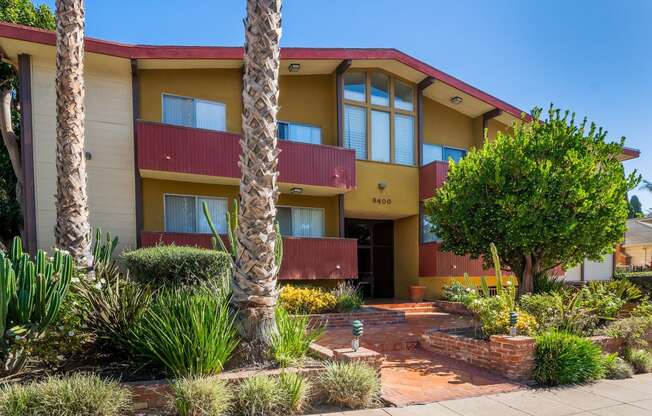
(431, 177)
(179, 149)
(303, 258)
(434, 262)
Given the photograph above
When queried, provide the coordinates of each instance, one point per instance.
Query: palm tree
(254, 280)
(72, 230)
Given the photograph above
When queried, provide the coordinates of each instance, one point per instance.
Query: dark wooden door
(375, 255)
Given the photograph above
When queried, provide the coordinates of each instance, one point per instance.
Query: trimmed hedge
(177, 265)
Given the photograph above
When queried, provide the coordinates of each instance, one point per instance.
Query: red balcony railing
(431, 177)
(303, 258)
(434, 262)
(164, 147)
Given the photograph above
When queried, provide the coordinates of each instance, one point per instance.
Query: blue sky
(590, 56)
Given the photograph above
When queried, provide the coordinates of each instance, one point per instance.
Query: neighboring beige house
(636, 250)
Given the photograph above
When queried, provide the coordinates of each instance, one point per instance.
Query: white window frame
(196, 197)
(321, 137)
(194, 109)
(323, 218)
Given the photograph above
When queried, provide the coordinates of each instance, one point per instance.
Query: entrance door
(375, 255)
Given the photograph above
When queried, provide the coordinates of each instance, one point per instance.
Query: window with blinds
(192, 112)
(355, 130)
(301, 222)
(404, 139)
(296, 132)
(185, 214)
(378, 121)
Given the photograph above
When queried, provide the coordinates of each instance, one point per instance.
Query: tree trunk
(72, 230)
(527, 277)
(11, 141)
(254, 281)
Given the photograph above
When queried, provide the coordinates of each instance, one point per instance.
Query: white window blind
(297, 132)
(404, 139)
(355, 130)
(380, 146)
(185, 214)
(210, 115)
(178, 111)
(301, 222)
(190, 112)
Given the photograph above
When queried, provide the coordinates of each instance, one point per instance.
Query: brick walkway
(411, 375)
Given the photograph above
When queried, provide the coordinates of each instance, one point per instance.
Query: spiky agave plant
(31, 293)
(231, 226)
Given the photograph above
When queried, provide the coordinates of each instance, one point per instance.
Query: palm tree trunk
(72, 230)
(254, 280)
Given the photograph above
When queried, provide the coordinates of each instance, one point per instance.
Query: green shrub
(259, 395)
(564, 311)
(459, 292)
(602, 299)
(546, 283)
(348, 297)
(493, 314)
(632, 331)
(640, 359)
(111, 305)
(175, 265)
(353, 385)
(643, 309)
(66, 396)
(296, 391)
(202, 396)
(189, 331)
(293, 339)
(306, 300)
(615, 368)
(563, 358)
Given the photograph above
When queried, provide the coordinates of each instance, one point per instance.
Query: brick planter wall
(368, 316)
(457, 308)
(512, 357)
(149, 396)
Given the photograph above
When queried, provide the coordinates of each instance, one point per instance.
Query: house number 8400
(382, 201)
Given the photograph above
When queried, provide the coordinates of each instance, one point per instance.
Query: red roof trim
(122, 50)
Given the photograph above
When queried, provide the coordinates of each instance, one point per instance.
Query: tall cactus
(31, 293)
(103, 250)
(231, 226)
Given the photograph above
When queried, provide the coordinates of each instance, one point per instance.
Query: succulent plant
(31, 293)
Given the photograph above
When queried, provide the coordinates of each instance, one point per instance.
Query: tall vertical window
(379, 117)
(297, 132)
(380, 136)
(404, 139)
(301, 222)
(355, 130)
(433, 152)
(185, 214)
(193, 112)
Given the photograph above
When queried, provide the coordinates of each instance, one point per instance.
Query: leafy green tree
(548, 193)
(635, 208)
(22, 12)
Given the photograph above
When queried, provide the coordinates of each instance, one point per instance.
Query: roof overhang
(15, 39)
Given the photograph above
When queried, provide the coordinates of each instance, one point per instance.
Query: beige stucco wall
(641, 255)
(109, 139)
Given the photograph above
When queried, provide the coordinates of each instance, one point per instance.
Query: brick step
(425, 313)
(401, 306)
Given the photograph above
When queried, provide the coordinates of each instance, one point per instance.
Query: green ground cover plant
(562, 358)
(352, 385)
(292, 342)
(201, 396)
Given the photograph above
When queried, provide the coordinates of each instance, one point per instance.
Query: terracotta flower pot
(417, 293)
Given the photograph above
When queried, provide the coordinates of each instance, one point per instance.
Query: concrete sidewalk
(631, 397)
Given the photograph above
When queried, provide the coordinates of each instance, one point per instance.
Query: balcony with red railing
(185, 150)
(431, 176)
(303, 258)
